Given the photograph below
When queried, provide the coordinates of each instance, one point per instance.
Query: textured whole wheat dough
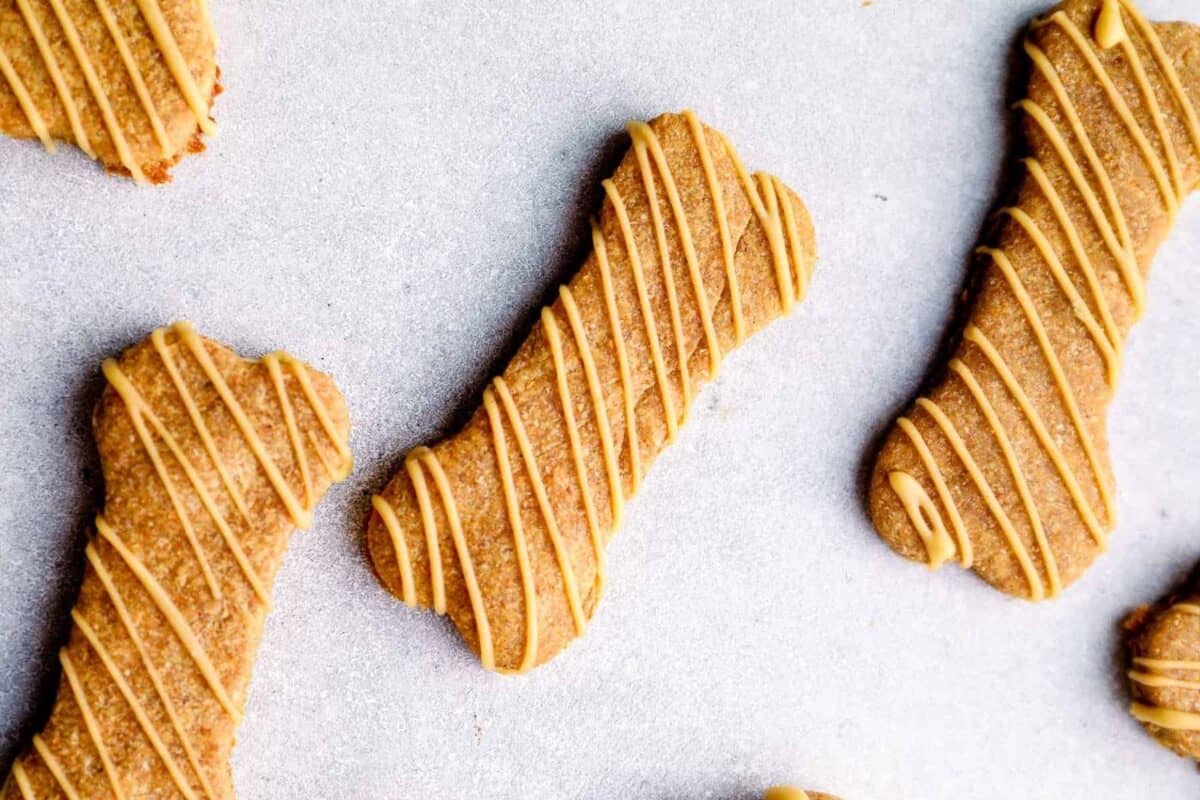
(209, 463)
(504, 525)
(1004, 463)
(1164, 670)
(130, 82)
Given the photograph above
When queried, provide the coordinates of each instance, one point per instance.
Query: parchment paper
(394, 188)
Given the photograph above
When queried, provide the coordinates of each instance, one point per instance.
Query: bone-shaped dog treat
(128, 81)
(504, 525)
(1164, 674)
(1004, 464)
(209, 462)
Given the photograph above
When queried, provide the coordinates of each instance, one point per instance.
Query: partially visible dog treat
(1003, 464)
(1164, 670)
(504, 525)
(790, 793)
(130, 82)
(210, 461)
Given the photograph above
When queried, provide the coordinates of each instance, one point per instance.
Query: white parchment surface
(393, 189)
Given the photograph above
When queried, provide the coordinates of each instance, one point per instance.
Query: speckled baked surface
(391, 195)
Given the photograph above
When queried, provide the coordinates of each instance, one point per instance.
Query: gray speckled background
(394, 187)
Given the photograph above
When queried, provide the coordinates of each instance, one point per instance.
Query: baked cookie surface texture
(504, 525)
(210, 461)
(1003, 464)
(1164, 670)
(130, 82)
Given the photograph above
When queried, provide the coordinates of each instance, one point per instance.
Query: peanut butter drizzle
(52, 763)
(26, 101)
(176, 63)
(168, 47)
(90, 722)
(152, 671)
(135, 75)
(1110, 32)
(22, 781)
(56, 76)
(147, 426)
(1155, 672)
(111, 124)
(139, 712)
(777, 217)
(785, 793)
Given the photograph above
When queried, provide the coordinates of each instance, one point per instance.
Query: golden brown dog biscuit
(1164, 674)
(1004, 463)
(209, 462)
(504, 525)
(791, 793)
(131, 82)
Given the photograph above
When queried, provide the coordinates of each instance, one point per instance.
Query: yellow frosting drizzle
(1107, 350)
(608, 447)
(1120, 242)
(97, 89)
(639, 281)
(176, 63)
(1160, 123)
(25, 101)
(56, 76)
(553, 338)
(289, 418)
(965, 549)
(1167, 718)
(1153, 672)
(429, 461)
(90, 722)
(778, 217)
(977, 337)
(1110, 30)
(525, 447)
(985, 490)
(1014, 467)
(640, 138)
(618, 339)
(1182, 99)
(416, 475)
(386, 513)
(174, 617)
(644, 138)
(135, 75)
(52, 763)
(1122, 108)
(1112, 332)
(722, 220)
(139, 712)
(22, 780)
(172, 56)
(301, 515)
(512, 506)
(139, 411)
(158, 340)
(114, 595)
(925, 516)
(300, 372)
(785, 793)
(1060, 377)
